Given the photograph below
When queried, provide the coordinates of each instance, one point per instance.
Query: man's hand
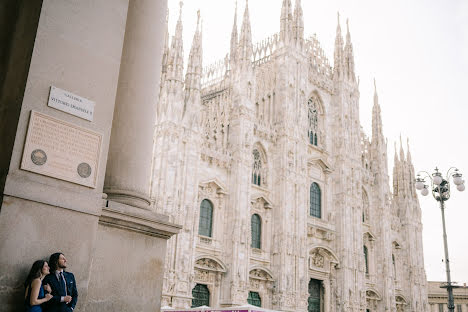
(67, 299)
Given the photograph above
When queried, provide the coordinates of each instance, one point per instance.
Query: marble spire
(234, 40)
(285, 21)
(349, 55)
(298, 27)
(377, 132)
(338, 54)
(176, 53)
(194, 66)
(245, 48)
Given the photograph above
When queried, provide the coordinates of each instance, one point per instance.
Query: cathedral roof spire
(244, 52)
(408, 153)
(193, 80)
(285, 22)
(376, 97)
(165, 50)
(395, 157)
(349, 54)
(396, 171)
(171, 100)
(234, 39)
(402, 153)
(176, 53)
(377, 132)
(194, 66)
(298, 22)
(338, 55)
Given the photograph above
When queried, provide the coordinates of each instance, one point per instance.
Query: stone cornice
(137, 220)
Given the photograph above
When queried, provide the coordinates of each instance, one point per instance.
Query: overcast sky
(417, 51)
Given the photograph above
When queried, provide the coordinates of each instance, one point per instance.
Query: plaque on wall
(71, 103)
(61, 150)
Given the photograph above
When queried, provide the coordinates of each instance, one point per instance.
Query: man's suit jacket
(54, 304)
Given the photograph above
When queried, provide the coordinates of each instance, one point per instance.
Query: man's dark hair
(53, 261)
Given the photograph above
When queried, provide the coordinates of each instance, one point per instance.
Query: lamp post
(440, 187)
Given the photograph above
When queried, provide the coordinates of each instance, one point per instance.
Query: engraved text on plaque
(61, 150)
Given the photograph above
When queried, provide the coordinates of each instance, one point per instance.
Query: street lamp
(440, 187)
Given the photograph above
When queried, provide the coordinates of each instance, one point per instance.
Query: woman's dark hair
(35, 272)
(53, 261)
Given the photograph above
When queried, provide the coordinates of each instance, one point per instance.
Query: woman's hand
(47, 288)
(48, 296)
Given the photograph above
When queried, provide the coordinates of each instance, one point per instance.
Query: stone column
(327, 297)
(131, 144)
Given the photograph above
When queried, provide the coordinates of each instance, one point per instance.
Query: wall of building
(266, 106)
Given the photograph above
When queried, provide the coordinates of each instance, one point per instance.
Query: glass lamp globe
(437, 179)
(419, 185)
(461, 187)
(424, 191)
(457, 179)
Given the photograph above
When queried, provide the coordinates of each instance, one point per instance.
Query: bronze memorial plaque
(61, 150)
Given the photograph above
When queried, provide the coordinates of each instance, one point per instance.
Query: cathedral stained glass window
(313, 120)
(315, 201)
(257, 168)
(206, 218)
(256, 229)
(366, 259)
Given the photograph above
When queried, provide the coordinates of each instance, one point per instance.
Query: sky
(418, 53)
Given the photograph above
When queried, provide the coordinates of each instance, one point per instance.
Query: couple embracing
(49, 288)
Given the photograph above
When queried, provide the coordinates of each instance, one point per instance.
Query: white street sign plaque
(71, 103)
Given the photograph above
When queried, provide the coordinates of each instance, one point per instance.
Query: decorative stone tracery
(208, 271)
(259, 167)
(372, 299)
(262, 281)
(322, 259)
(400, 303)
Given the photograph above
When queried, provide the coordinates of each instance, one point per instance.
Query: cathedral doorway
(201, 296)
(315, 296)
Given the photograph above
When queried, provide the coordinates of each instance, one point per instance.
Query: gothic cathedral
(285, 203)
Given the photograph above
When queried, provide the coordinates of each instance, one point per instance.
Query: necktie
(62, 283)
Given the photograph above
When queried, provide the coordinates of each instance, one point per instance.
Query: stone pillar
(131, 144)
(327, 297)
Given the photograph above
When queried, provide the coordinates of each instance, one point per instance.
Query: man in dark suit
(63, 285)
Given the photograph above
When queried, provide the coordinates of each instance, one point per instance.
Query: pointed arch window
(315, 201)
(201, 296)
(313, 121)
(206, 218)
(366, 259)
(257, 168)
(254, 299)
(256, 230)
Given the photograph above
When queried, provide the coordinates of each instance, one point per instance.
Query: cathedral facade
(285, 203)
